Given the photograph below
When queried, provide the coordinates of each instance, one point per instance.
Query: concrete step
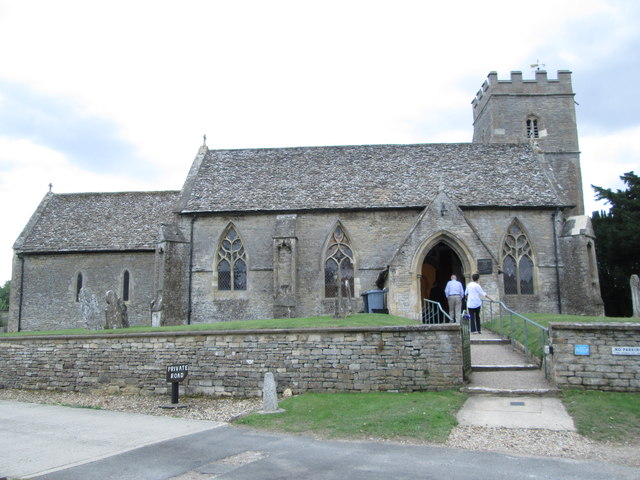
(500, 368)
(490, 341)
(511, 392)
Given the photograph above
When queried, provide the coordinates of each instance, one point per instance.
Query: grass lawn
(535, 339)
(425, 416)
(605, 416)
(545, 319)
(357, 320)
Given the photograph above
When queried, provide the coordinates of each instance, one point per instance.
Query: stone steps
(498, 369)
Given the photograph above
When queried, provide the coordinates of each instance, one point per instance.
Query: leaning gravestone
(635, 295)
(116, 312)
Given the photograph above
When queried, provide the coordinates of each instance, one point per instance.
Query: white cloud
(26, 170)
(605, 159)
(276, 73)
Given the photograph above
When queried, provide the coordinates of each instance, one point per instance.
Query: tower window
(232, 262)
(532, 128)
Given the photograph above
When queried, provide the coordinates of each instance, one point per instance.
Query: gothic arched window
(338, 265)
(126, 279)
(231, 262)
(517, 262)
(532, 127)
(78, 286)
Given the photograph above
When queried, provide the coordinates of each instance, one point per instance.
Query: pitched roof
(368, 176)
(97, 222)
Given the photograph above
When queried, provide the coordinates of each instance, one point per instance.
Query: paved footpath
(82, 444)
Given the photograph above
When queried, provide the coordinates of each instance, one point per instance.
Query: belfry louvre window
(517, 263)
(232, 262)
(532, 128)
(338, 265)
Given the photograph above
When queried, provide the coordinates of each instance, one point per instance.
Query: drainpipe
(555, 251)
(193, 220)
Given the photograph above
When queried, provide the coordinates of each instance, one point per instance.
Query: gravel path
(529, 442)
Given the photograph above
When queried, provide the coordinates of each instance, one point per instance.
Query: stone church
(282, 232)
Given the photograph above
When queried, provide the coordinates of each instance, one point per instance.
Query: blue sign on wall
(581, 349)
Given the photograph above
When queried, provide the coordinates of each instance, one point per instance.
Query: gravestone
(156, 310)
(635, 295)
(115, 312)
(89, 309)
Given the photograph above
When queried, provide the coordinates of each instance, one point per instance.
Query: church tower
(540, 112)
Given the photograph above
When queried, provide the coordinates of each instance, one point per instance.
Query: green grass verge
(545, 319)
(533, 338)
(357, 320)
(425, 416)
(605, 416)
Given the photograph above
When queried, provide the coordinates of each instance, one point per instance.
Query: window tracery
(232, 262)
(517, 262)
(338, 265)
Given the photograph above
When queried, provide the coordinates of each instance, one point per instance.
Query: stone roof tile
(97, 222)
(368, 176)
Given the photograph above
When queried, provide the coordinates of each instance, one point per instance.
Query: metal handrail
(528, 323)
(432, 311)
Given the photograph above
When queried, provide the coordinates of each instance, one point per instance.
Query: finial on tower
(50, 187)
(204, 140)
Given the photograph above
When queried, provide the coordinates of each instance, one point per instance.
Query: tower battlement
(516, 85)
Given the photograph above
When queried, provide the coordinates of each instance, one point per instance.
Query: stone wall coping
(269, 331)
(595, 326)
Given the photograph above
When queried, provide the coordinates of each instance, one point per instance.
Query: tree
(618, 244)
(4, 296)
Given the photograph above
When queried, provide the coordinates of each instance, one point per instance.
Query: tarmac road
(50, 442)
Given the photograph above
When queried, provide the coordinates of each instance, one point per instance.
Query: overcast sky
(116, 95)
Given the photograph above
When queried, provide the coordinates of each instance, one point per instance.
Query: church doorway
(439, 264)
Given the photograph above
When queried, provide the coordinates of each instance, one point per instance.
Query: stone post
(635, 295)
(269, 394)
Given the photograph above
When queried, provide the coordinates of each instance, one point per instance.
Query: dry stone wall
(232, 363)
(598, 356)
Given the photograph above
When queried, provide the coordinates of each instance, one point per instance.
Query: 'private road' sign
(625, 350)
(177, 373)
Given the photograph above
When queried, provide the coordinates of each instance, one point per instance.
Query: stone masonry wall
(601, 369)
(232, 363)
(49, 282)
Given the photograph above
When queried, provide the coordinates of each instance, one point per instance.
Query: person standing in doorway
(454, 293)
(475, 294)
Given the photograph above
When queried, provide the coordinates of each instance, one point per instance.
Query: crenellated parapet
(516, 85)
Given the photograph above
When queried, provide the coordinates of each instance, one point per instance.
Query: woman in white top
(475, 294)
